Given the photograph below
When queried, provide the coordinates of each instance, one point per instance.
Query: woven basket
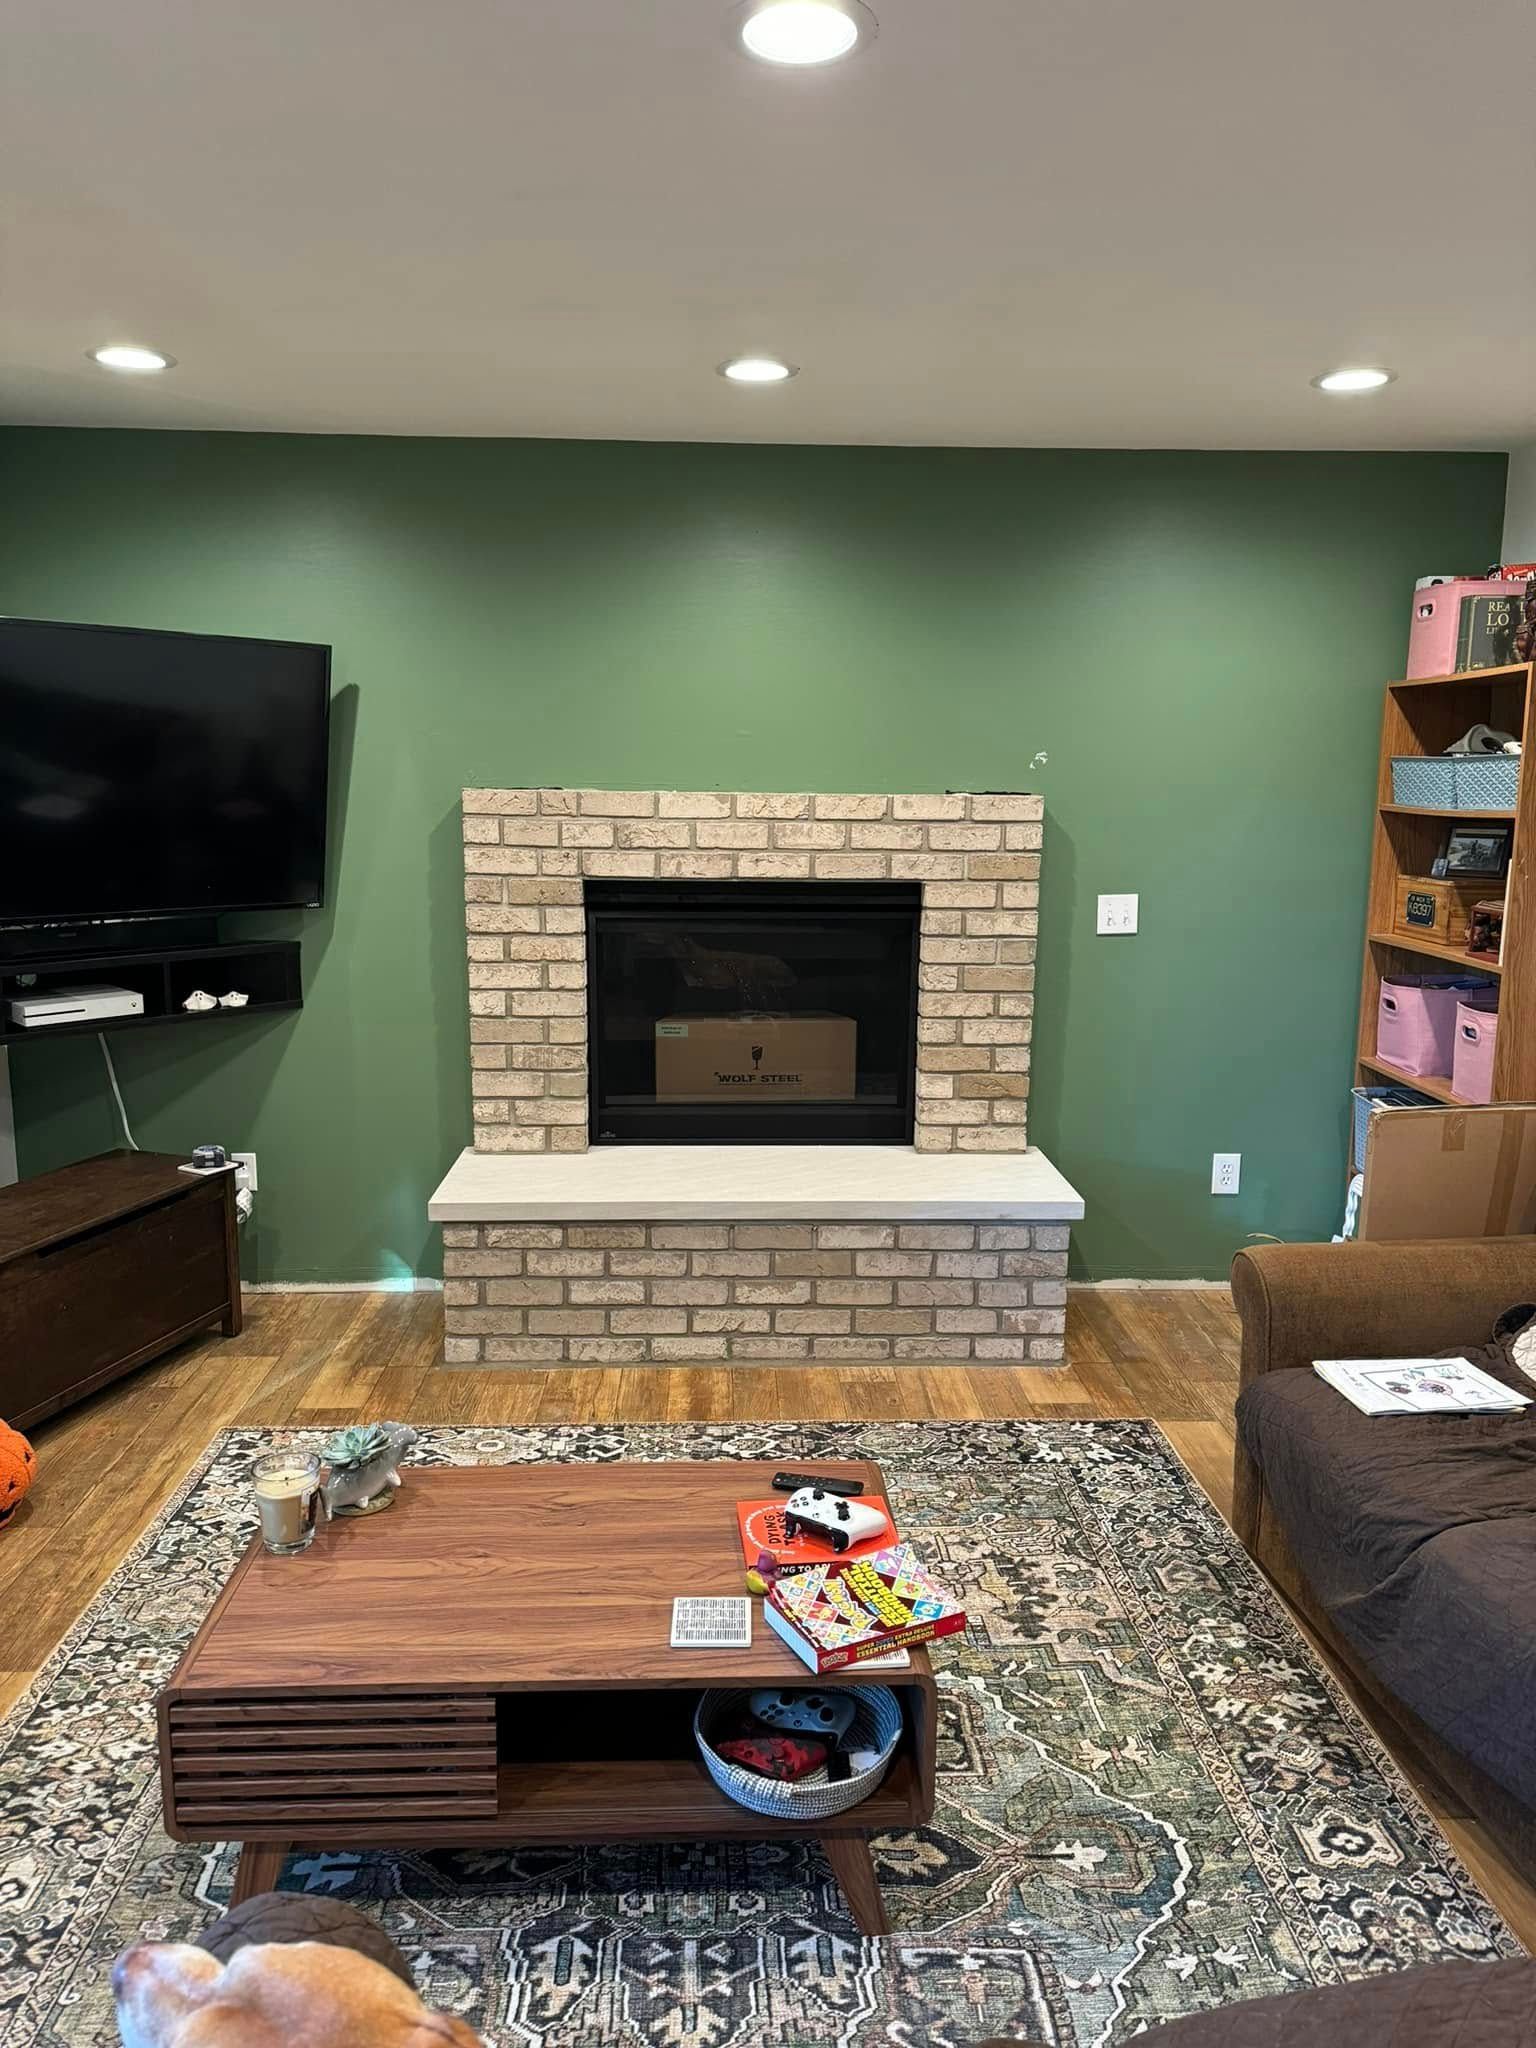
(877, 1723)
(1424, 781)
(1366, 1100)
(1487, 781)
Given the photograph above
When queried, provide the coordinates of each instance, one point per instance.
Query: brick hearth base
(768, 1293)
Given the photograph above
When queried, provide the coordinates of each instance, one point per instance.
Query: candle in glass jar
(287, 1495)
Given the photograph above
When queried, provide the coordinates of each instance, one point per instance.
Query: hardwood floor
(108, 1466)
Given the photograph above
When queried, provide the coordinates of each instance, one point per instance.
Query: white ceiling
(1119, 224)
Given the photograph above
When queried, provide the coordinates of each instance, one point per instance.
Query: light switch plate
(1118, 915)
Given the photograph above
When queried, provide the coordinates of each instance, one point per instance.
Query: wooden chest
(104, 1265)
(1426, 907)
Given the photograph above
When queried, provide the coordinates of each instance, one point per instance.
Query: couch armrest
(1403, 1299)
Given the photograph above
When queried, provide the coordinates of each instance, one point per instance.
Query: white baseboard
(419, 1286)
(413, 1285)
(1146, 1286)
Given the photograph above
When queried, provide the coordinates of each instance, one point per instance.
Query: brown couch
(1405, 1542)
(1444, 2005)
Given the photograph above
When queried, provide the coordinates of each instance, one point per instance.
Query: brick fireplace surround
(944, 1255)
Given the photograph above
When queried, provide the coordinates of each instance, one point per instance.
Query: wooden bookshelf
(1422, 811)
(1428, 949)
(1427, 1084)
(1424, 716)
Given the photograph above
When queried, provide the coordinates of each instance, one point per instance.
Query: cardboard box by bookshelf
(1450, 1173)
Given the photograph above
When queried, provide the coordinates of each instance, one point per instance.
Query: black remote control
(791, 1482)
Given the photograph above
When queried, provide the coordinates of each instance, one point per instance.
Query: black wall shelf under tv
(267, 971)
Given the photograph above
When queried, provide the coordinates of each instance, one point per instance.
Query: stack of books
(873, 1601)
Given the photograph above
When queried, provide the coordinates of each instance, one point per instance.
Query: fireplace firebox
(752, 1013)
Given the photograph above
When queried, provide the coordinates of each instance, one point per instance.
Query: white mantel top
(680, 1183)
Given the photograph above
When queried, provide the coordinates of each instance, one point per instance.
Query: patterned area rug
(1151, 1800)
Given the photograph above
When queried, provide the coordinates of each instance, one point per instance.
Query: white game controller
(831, 1518)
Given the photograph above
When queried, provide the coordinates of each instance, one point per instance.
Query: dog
(297, 1994)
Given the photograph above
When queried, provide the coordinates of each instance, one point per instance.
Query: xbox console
(97, 1003)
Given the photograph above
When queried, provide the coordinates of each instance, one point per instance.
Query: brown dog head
(295, 1994)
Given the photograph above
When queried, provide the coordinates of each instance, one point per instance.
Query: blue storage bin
(1389, 1096)
(1485, 782)
(1426, 781)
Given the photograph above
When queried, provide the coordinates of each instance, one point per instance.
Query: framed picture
(1481, 849)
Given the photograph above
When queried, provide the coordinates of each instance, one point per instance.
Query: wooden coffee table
(487, 1665)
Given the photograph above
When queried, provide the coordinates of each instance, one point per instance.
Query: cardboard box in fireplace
(754, 1057)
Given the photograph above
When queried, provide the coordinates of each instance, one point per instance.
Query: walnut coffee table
(487, 1665)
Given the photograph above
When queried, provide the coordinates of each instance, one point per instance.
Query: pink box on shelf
(1472, 1061)
(1447, 633)
(1416, 1023)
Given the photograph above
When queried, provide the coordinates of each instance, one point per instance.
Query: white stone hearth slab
(666, 1183)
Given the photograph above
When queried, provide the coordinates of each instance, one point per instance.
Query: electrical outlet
(245, 1170)
(1118, 915)
(1226, 1172)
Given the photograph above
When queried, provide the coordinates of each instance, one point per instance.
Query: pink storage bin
(1432, 636)
(1416, 1023)
(1472, 1061)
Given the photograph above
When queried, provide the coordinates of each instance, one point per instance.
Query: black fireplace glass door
(752, 1013)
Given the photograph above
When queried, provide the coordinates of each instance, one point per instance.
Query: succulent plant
(350, 1448)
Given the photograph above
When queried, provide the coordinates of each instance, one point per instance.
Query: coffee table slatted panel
(246, 1764)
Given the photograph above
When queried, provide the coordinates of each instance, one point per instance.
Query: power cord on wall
(117, 1093)
(244, 1201)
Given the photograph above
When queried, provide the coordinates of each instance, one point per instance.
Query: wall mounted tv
(154, 774)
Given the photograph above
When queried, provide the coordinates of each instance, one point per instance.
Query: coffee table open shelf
(488, 1665)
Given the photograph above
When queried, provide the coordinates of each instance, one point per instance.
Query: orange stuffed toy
(18, 1468)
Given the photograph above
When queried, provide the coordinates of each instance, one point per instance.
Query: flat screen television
(154, 774)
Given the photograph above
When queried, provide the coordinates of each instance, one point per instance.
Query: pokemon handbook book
(842, 1613)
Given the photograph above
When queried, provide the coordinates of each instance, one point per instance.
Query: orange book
(764, 1539)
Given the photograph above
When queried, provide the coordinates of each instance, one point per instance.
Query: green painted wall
(1197, 641)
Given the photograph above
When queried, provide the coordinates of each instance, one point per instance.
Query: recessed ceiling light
(130, 356)
(758, 370)
(805, 31)
(1354, 380)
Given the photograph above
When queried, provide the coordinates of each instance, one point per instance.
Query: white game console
(97, 1003)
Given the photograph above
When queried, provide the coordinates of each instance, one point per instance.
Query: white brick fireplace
(954, 1248)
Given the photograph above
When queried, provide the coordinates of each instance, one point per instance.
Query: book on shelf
(768, 1547)
(1418, 1386)
(854, 1610)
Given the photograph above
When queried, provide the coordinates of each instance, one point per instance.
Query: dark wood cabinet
(104, 1265)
